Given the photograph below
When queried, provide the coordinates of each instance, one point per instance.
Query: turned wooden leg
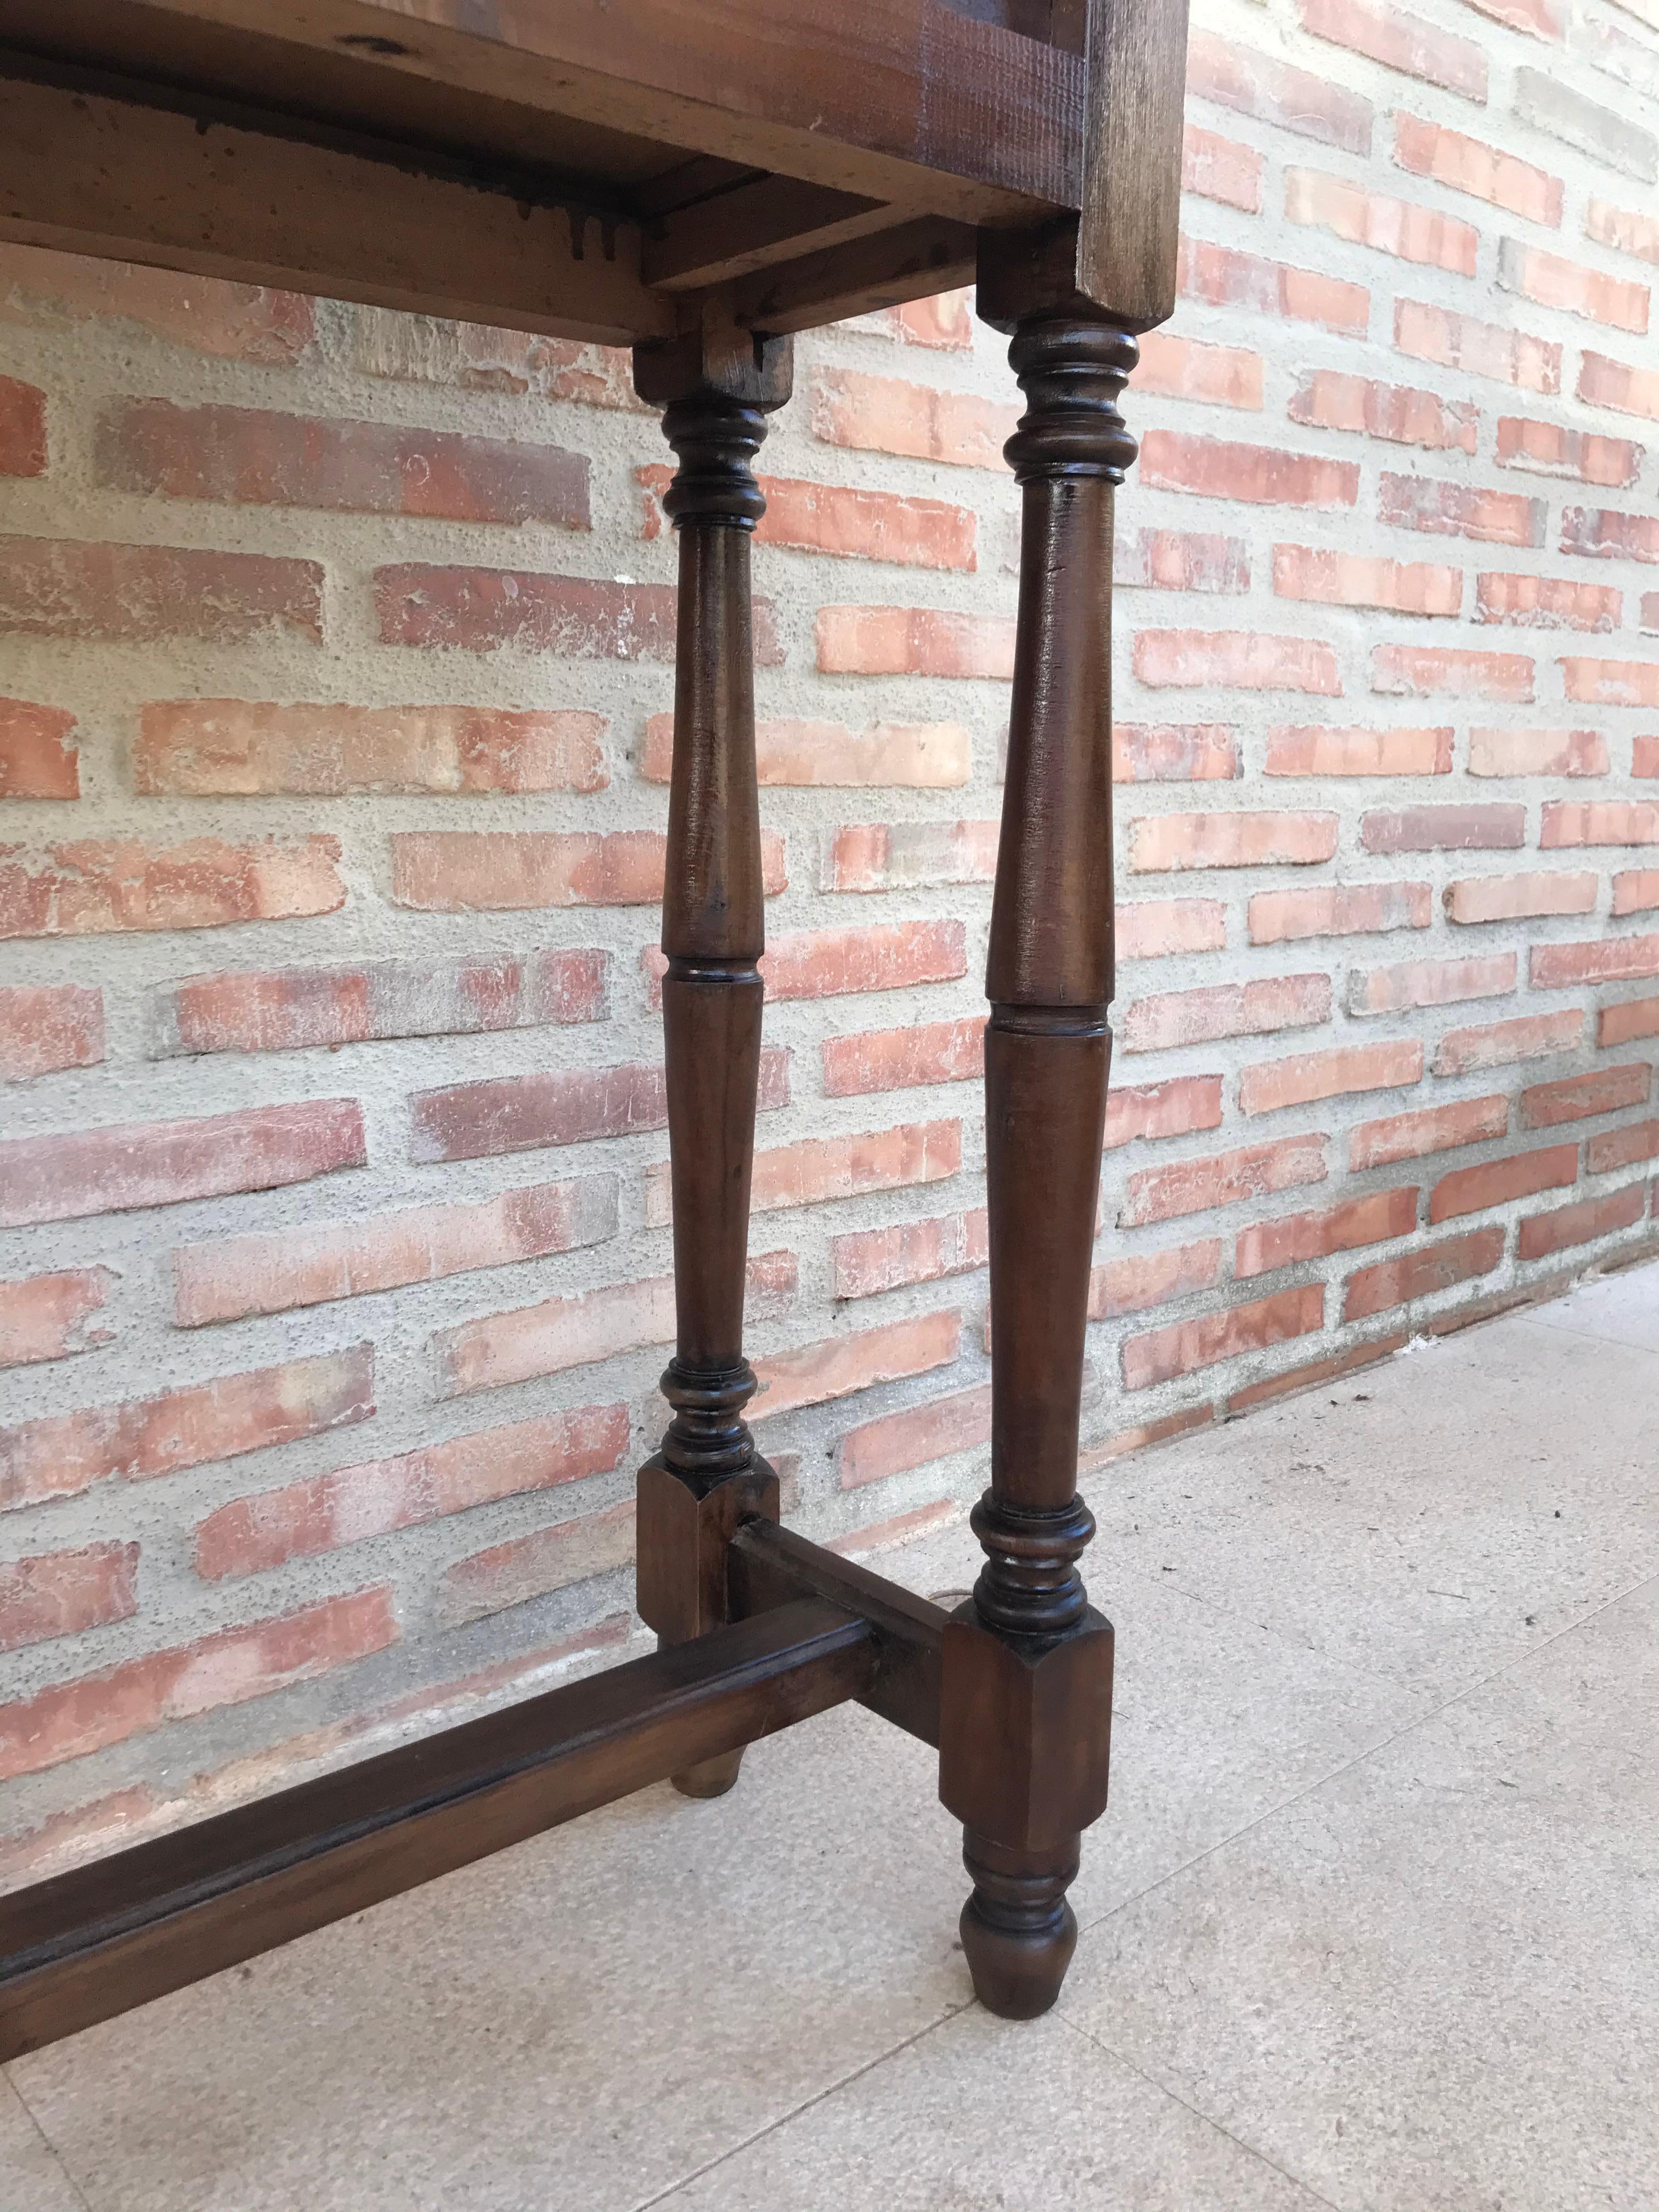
(708, 1477)
(1026, 1718)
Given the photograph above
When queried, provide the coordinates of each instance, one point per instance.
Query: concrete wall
(337, 647)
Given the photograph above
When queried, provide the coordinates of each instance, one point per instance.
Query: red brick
(1299, 1237)
(1512, 898)
(1338, 910)
(37, 760)
(1415, 983)
(49, 1317)
(1602, 534)
(22, 429)
(1420, 671)
(1174, 1109)
(813, 1170)
(867, 1261)
(1598, 822)
(1314, 749)
(276, 1271)
(1444, 830)
(944, 322)
(1224, 1179)
(1604, 960)
(883, 415)
(1173, 461)
(232, 322)
(1172, 368)
(1360, 580)
(1635, 891)
(516, 1113)
(1399, 42)
(1247, 661)
(115, 1168)
(1174, 753)
(1570, 287)
(1180, 561)
(1538, 752)
(1611, 683)
(1222, 277)
(1157, 929)
(473, 357)
(64, 1454)
(95, 885)
(1623, 1148)
(258, 457)
(44, 1027)
(1546, 602)
(1498, 518)
(1328, 399)
(526, 1567)
(134, 594)
(1646, 757)
(1431, 1129)
(1548, 449)
(581, 618)
(1144, 1435)
(1649, 621)
(1421, 1273)
(1496, 1183)
(914, 642)
(64, 1593)
(71, 1719)
(885, 856)
(823, 963)
(856, 1360)
(919, 755)
(1401, 228)
(1544, 19)
(854, 522)
(1542, 1234)
(1501, 1044)
(1174, 1018)
(904, 1059)
(1509, 356)
(1237, 840)
(1581, 1098)
(1273, 91)
(288, 1009)
(574, 1331)
(1272, 1085)
(1615, 384)
(914, 1436)
(1217, 168)
(1156, 1278)
(237, 746)
(1466, 165)
(1623, 229)
(1623, 1025)
(1164, 1353)
(352, 1503)
(497, 870)
(1315, 1372)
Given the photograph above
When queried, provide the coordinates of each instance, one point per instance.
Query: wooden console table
(701, 178)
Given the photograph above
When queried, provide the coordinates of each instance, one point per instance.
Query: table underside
(578, 170)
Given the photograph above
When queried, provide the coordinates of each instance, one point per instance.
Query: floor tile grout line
(1209, 2119)
(1348, 1765)
(783, 2119)
(56, 2155)
(1589, 1336)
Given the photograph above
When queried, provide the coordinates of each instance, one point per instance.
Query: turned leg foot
(710, 1778)
(1017, 1931)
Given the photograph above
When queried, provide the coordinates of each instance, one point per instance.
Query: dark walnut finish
(700, 179)
(708, 1479)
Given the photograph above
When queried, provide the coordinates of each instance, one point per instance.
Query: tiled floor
(1373, 1922)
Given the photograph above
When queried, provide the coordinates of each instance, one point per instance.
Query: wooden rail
(95, 1942)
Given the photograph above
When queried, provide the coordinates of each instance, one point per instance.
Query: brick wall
(337, 666)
